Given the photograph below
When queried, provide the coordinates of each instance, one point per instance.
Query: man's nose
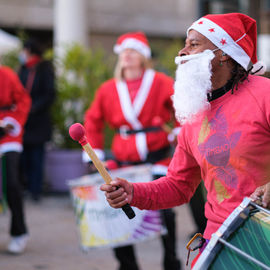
(182, 52)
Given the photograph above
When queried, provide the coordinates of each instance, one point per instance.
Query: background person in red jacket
(14, 107)
(130, 103)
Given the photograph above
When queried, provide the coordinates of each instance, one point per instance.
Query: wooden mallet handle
(77, 133)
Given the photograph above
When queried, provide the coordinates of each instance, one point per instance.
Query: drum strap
(201, 245)
(206, 241)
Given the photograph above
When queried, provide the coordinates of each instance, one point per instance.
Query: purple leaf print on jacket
(217, 149)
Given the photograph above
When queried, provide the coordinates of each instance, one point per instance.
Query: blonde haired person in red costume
(225, 111)
(131, 103)
(14, 107)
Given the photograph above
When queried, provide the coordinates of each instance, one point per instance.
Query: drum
(242, 242)
(100, 225)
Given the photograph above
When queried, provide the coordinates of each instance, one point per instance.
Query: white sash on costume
(132, 111)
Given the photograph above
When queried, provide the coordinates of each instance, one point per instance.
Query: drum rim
(214, 245)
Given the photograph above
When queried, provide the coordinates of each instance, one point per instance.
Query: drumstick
(77, 133)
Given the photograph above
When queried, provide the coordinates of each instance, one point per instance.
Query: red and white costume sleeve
(228, 147)
(15, 104)
(112, 104)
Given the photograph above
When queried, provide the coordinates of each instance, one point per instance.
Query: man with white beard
(193, 83)
(225, 112)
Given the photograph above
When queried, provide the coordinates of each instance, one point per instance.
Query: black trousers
(11, 174)
(196, 206)
(33, 165)
(126, 255)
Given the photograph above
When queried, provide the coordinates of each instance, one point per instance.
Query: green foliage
(79, 73)
(11, 59)
(165, 57)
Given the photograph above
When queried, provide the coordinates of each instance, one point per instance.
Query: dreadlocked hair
(239, 74)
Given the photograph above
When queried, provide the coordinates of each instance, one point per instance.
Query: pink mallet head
(77, 133)
(157, 121)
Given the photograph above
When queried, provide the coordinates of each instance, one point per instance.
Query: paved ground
(54, 244)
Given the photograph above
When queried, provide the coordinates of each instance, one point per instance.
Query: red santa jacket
(15, 104)
(112, 104)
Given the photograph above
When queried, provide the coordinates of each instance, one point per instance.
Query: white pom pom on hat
(258, 68)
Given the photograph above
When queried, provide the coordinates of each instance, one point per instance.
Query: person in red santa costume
(14, 107)
(225, 112)
(136, 103)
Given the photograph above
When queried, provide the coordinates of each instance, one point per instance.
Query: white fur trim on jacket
(17, 127)
(11, 147)
(100, 154)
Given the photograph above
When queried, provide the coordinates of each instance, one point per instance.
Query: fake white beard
(193, 82)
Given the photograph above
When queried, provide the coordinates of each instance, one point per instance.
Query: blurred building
(257, 9)
(99, 22)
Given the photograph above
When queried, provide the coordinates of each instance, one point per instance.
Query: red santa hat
(235, 34)
(133, 40)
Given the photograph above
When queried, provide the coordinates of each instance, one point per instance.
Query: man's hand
(118, 193)
(5, 129)
(8, 128)
(262, 194)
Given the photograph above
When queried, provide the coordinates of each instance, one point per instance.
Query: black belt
(6, 108)
(152, 157)
(125, 131)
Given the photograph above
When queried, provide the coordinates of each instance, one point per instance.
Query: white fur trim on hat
(132, 43)
(222, 40)
(258, 68)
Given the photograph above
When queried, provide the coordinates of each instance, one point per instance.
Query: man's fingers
(118, 202)
(266, 197)
(118, 193)
(107, 188)
(112, 195)
(262, 196)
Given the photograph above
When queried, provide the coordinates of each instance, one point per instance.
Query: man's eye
(194, 44)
